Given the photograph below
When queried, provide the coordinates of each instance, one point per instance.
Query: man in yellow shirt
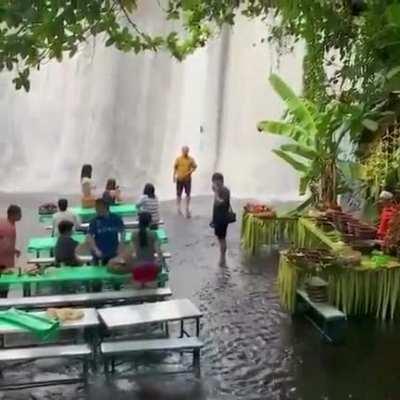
(183, 168)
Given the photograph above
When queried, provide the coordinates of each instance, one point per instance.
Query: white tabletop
(89, 319)
(170, 310)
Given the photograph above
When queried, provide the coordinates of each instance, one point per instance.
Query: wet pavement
(253, 349)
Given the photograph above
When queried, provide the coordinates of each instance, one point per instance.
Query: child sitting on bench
(139, 256)
(66, 246)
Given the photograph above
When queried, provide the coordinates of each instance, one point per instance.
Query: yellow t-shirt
(184, 166)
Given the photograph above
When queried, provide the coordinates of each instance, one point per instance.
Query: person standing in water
(8, 235)
(183, 169)
(220, 218)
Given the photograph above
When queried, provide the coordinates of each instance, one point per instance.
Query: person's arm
(222, 196)
(90, 238)
(175, 170)
(193, 167)
(92, 244)
(118, 195)
(141, 201)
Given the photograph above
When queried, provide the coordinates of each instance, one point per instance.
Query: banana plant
(316, 136)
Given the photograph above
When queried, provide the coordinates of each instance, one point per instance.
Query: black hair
(111, 184)
(144, 223)
(149, 191)
(65, 227)
(86, 171)
(217, 176)
(63, 204)
(13, 209)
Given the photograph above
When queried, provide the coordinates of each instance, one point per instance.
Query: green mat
(86, 214)
(48, 243)
(41, 326)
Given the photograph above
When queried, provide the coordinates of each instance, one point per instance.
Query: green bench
(69, 275)
(47, 261)
(47, 243)
(329, 321)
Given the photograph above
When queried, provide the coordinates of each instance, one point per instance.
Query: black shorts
(183, 186)
(220, 230)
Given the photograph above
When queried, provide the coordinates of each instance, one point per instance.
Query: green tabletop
(48, 243)
(86, 214)
(73, 274)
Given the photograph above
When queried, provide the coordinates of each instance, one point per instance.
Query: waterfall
(129, 115)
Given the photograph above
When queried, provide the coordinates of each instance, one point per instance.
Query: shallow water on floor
(253, 349)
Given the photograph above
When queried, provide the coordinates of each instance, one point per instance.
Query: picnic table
(69, 275)
(47, 243)
(161, 312)
(86, 214)
(84, 352)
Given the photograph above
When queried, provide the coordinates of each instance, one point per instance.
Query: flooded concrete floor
(253, 349)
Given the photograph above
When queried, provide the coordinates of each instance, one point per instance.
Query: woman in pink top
(8, 236)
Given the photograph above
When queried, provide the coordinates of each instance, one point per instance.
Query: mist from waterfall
(129, 115)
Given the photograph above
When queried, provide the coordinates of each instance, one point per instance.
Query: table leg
(27, 289)
(197, 327)
(182, 328)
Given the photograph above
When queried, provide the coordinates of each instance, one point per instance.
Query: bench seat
(128, 225)
(328, 319)
(35, 353)
(78, 351)
(87, 299)
(324, 309)
(110, 350)
(42, 261)
(136, 346)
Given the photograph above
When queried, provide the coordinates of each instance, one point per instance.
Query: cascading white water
(129, 115)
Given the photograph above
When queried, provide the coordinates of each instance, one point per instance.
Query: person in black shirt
(66, 246)
(220, 213)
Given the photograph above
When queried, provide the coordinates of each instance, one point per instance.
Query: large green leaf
(297, 165)
(299, 209)
(393, 14)
(282, 128)
(304, 181)
(300, 150)
(295, 105)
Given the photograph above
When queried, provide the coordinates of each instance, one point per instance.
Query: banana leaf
(283, 128)
(296, 106)
(297, 165)
(300, 150)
